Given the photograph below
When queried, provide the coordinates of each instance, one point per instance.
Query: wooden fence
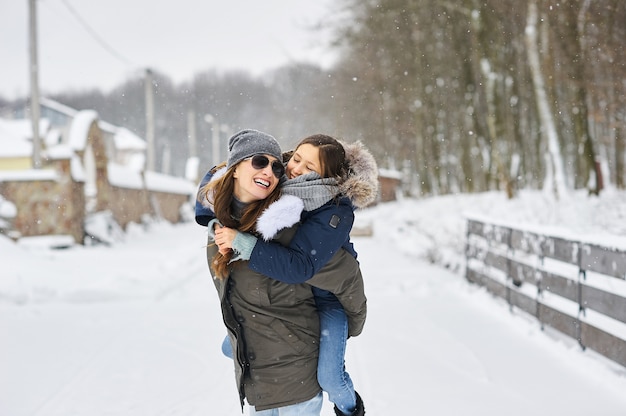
(575, 287)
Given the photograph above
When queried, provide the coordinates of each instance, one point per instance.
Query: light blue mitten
(243, 244)
(211, 229)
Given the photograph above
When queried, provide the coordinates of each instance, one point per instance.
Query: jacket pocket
(291, 339)
(284, 294)
(252, 289)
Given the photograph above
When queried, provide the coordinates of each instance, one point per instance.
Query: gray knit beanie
(250, 142)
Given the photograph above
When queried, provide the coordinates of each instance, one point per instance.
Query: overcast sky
(95, 43)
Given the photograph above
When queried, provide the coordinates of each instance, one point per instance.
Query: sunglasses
(260, 162)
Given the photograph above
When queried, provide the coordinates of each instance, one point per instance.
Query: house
(16, 147)
(89, 167)
(390, 182)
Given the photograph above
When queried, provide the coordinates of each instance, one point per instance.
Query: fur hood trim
(282, 213)
(361, 183)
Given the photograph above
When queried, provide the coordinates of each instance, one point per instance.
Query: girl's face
(305, 159)
(252, 184)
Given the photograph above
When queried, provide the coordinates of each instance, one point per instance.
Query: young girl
(331, 185)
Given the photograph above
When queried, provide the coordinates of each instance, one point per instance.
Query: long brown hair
(220, 193)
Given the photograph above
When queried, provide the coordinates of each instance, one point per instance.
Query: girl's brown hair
(331, 152)
(220, 193)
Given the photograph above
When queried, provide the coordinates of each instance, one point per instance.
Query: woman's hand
(224, 237)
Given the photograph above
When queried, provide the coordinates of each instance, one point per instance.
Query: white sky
(178, 38)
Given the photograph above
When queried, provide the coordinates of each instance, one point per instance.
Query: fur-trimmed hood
(360, 186)
(361, 183)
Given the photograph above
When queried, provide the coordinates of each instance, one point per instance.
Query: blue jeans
(227, 349)
(331, 370)
(311, 407)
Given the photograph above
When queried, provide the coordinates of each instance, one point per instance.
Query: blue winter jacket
(322, 233)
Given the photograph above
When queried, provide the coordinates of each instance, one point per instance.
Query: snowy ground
(134, 329)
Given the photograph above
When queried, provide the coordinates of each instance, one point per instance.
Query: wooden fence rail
(575, 287)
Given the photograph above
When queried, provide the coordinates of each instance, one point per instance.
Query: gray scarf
(312, 189)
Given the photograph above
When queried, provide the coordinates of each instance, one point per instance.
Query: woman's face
(254, 184)
(305, 159)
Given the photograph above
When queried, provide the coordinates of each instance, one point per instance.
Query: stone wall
(128, 205)
(54, 204)
(131, 205)
(168, 205)
(139, 194)
(51, 204)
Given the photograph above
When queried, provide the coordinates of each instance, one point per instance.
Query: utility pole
(34, 83)
(149, 93)
(191, 167)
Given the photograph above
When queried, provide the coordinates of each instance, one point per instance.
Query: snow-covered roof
(107, 127)
(160, 182)
(79, 130)
(59, 152)
(15, 148)
(28, 175)
(16, 137)
(58, 107)
(390, 173)
(22, 128)
(136, 161)
(127, 140)
(124, 177)
(124, 139)
(15, 129)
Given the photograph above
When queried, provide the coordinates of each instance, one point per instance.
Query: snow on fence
(575, 287)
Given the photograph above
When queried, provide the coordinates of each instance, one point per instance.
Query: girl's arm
(320, 235)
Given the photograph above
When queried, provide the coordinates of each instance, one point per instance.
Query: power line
(95, 35)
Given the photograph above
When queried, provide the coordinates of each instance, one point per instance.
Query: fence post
(582, 276)
(467, 248)
(509, 274)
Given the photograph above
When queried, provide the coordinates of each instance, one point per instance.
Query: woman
(273, 326)
(331, 185)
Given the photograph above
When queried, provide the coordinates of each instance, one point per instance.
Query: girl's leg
(227, 349)
(268, 412)
(331, 373)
